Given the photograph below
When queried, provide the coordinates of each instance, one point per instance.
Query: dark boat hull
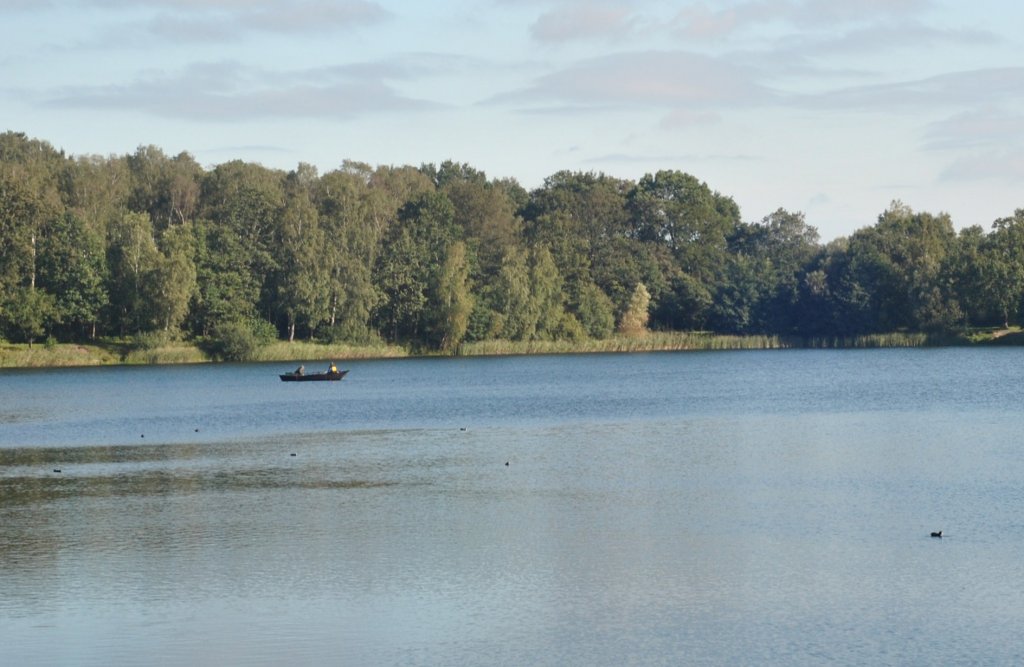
(312, 377)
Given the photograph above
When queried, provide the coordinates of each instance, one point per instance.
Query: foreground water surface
(651, 509)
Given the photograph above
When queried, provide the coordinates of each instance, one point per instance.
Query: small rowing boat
(312, 377)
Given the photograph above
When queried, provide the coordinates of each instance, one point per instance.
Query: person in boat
(301, 370)
(333, 368)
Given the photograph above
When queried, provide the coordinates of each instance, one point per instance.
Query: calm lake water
(657, 509)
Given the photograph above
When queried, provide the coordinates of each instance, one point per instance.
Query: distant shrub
(350, 332)
(634, 319)
(569, 328)
(240, 340)
(151, 340)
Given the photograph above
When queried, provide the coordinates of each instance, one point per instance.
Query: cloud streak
(704, 21)
(583, 22)
(230, 91)
(659, 79)
(955, 89)
(217, 21)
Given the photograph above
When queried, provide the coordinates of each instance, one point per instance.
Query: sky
(833, 108)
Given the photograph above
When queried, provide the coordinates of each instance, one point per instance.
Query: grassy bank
(125, 352)
(303, 350)
(677, 341)
(651, 342)
(40, 356)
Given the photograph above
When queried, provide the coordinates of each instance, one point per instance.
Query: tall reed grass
(45, 356)
(127, 352)
(692, 340)
(180, 353)
(305, 350)
(651, 342)
(898, 339)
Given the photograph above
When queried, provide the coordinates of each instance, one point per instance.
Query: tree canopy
(435, 255)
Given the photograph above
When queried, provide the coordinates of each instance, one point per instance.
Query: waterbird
(506, 463)
(56, 469)
(293, 453)
(937, 534)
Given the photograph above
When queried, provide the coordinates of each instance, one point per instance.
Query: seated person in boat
(333, 368)
(301, 370)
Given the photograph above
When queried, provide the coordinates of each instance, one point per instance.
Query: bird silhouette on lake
(937, 533)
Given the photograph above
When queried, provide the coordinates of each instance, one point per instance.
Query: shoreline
(125, 353)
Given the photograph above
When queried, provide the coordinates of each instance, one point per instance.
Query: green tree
(514, 298)
(236, 234)
(685, 215)
(595, 311)
(72, 266)
(580, 217)
(173, 278)
(760, 288)
(96, 190)
(1003, 266)
(455, 301)
(168, 189)
(132, 256)
(29, 200)
(28, 314)
(353, 216)
(546, 294)
(742, 290)
(304, 257)
(408, 265)
(634, 320)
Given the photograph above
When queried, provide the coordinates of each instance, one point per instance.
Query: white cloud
(973, 88)
(685, 118)
(216, 21)
(976, 128)
(583, 22)
(703, 20)
(658, 79)
(229, 91)
(998, 165)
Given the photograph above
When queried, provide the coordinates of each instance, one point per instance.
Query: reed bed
(46, 356)
(112, 352)
(694, 340)
(651, 342)
(898, 339)
(305, 350)
(166, 354)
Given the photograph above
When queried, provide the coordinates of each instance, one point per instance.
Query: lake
(768, 507)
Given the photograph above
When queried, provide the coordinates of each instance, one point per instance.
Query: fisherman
(301, 370)
(333, 368)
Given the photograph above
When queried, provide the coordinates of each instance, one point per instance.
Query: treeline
(157, 247)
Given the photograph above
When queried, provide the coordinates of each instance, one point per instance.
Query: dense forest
(429, 257)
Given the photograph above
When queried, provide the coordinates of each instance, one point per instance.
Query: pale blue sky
(829, 107)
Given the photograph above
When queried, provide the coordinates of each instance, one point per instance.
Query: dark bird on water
(937, 534)
(506, 462)
(56, 469)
